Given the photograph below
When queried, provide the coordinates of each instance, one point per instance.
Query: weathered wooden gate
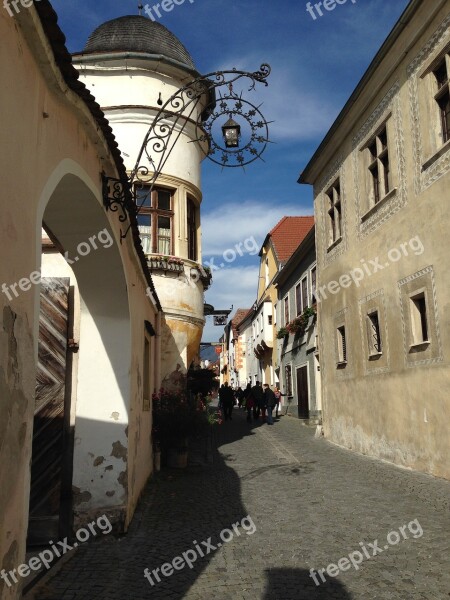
(50, 426)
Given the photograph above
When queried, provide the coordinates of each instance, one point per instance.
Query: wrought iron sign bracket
(237, 149)
(115, 195)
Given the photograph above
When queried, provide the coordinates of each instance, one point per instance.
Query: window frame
(374, 337)
(341, 345)
(191, 229)
(334, 212)
(305, 296)
(417, 318)
(288, 381)
(154, 212)
(286, 310)
(313, 286)
(378, 159)
(442, 91)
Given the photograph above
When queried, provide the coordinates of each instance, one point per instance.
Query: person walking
(227, 401)
(258, 395)
(248, 401)
(278, 395)
(270, 402)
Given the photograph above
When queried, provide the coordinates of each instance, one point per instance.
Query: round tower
(133, 65)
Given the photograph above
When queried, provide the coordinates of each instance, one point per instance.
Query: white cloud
(234, 286)
(299, 110)
(235, 223)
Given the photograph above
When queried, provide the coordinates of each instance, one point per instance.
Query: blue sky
(316, 64)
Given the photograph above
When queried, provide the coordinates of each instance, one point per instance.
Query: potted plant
(297, 326)
(282, 333)
(176, 418)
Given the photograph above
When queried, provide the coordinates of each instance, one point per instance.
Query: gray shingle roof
(138, 34)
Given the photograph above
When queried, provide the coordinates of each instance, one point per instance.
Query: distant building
(279, 245)
(234, 369)
(298, 353)
(381, 182)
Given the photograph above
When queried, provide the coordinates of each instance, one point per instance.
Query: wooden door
(49, 416)
(302, 393)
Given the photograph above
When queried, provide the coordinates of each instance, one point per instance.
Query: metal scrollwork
(196, 103)
(114, 196)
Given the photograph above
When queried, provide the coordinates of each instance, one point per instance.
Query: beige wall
(267, 290)
(44, 159)
(393, 406)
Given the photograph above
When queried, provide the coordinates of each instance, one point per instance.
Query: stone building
(278, 247)
(237, 375)
(381, 182)
(133, 65)
(79, 348)
(249, 370)
(298, 353)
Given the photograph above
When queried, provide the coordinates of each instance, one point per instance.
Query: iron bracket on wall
(115, 195)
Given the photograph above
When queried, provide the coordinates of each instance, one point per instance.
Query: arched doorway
(84, 362)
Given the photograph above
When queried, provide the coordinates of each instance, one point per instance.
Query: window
(301, 296)
(192, 229)
(155, 219)
(379, 165)
(298, 299)
(286, 310)
(267, 272)
(269, 319)
(419, 322)
(373, 333)
(442, 97)
(304, 293)
(341, 345)
(313, 285)
(275, 308)
(288, 379)
(334, 213)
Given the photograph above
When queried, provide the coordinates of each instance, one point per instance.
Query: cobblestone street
(312, 504)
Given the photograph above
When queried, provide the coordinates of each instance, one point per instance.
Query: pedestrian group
(259, 401)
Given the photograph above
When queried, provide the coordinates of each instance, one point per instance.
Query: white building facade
(132, 66)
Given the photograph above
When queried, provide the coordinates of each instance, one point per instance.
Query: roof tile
(288, 234)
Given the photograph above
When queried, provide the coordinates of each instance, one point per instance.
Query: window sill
(375, 355)
(419, 347)
(334, 244)
(427, 164)
(376, 206)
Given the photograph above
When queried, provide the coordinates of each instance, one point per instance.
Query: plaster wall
(59, 142)
(298, 351)
(393, 407)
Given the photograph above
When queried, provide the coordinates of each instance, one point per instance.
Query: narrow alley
(371, 530)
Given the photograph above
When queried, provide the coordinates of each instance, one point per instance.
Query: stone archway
(99, 387)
